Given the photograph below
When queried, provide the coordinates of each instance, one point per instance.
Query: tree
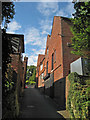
(7, 12)
(7, 15)
(31, 74)
(81, 29)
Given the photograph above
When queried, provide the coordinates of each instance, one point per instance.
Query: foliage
(81, 29)
(9, 97)
(10, 102)
(6, 59)
(7, 12)
(9, 106)
(9, 75)
(78, 99)
(31, 74)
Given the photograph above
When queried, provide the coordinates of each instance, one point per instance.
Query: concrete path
(36, 105)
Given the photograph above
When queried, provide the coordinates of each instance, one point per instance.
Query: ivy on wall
(9, 75)
(78, 98)
(9, 98)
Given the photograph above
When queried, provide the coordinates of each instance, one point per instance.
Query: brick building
(56, 61)
(40, 70)
(24, 73)
(18, 65)
(17, 44)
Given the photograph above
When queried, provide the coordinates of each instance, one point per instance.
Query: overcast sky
(34, 20)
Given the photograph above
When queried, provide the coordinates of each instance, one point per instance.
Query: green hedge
(78, 98)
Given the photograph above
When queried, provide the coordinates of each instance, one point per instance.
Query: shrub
(78, 99)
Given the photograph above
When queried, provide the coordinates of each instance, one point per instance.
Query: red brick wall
(41, 71)
(15, 62)
(24, 71)
(67, 56)
(38, 71)
(57, 41)
(17, 65)
(58, 73)
(25, 65)
(54, 43)
(47, 56)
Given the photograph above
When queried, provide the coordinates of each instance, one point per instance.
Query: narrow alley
(36, 105)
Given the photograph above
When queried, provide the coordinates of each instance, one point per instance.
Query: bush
(78, 99)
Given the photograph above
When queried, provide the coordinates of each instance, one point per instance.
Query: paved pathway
(36, 105)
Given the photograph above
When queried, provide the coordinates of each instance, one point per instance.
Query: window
(52, 60)
(41, 66)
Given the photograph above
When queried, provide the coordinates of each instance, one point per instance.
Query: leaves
(6, 58)
(7, 12)
(31, 74)
(81, 28)
(78, 98)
